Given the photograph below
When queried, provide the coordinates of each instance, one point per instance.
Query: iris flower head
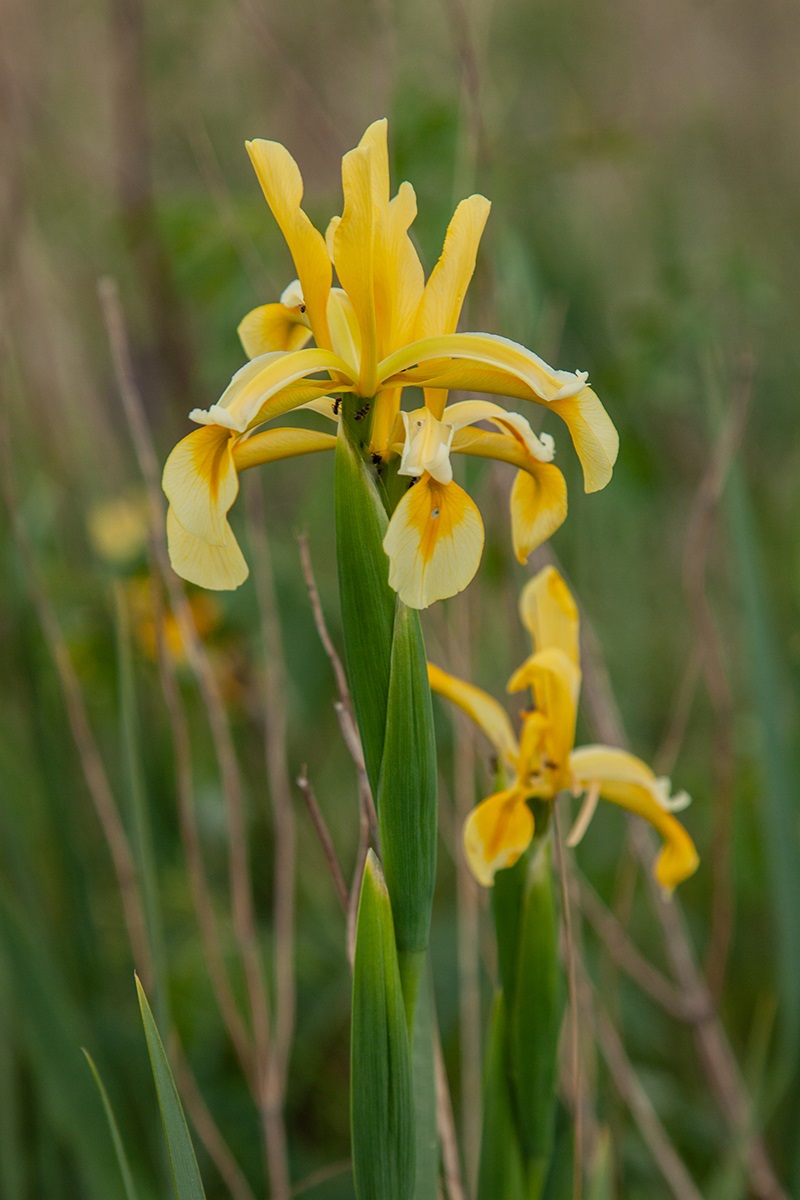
(542, 761)
(356, 327)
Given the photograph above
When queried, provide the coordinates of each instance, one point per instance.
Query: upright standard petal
(282, 185)
(549, 613)
(626, 780)
(446, 288)
(201, 483)
(354, 257)
(434, 542)
(496, 833)
(555, 681)
(490, 716)
(220, 567)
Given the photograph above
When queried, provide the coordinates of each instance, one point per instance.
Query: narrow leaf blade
(119, 1148)
(185, 1171)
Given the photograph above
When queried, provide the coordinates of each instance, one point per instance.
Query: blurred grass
(643, 165)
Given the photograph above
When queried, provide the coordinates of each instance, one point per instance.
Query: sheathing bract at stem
(381, 1104)
(387, 668)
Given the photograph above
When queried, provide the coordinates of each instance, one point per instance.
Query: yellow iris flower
(544, 762)
(381, 330)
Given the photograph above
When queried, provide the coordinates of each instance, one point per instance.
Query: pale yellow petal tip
(434, 543)
(496, 833)
(677, 861)
(218, 568)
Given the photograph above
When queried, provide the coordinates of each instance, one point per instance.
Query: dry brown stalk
(277, 765)
(326, 841)
(190, 837)
(94, 770)
(446, 1125)
(244, 921)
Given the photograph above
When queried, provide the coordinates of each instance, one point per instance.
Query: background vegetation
(643, 163)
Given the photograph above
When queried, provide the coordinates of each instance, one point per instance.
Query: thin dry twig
(630, 1089)
(244, 922)
(326, 841)
(446, 1125)
(190, 838)
(94, 770)
(275, 752)
(709, 650)
(626, 955)
(714, 1049)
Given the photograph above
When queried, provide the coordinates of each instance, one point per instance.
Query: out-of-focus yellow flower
(544, 762)
(205, 612)
(118, 529)
(381, 330)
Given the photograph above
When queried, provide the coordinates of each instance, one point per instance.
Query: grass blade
(185, 1171)
(122, 1158)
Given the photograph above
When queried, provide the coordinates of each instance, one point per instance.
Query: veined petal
(486, 349)
(490, 716)
(496, 833)
(273, 327)
(426, 447)
(541, 447)
(446, 288)
(345, 333)
(375, 139)
(434, 542)
(354, 256)
(260, 380)
(220, 567)
(201, 483)
(548, 611)
(282, 185)
(399, 278)
(272, 445)
(538, 507)
(626, 780)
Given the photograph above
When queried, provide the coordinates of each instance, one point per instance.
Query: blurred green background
(643, 164)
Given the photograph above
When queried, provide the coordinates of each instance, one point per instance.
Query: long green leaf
(501, 1175)
(367, 601)
(381, 1102)
(407, 793)
(536, 1013)
(185, 1171)
(119, 1148)
(424, 1076)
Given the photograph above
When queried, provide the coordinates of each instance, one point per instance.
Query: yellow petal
(538, 507)
(282, 185)
(505, 358)
(354, 257)
(273, 327)
(496, 833)
(221, 567)
(272, 445)
(399, 278)
(345, 334)
(447, 286)
(434, 542)
(555, 682)
(593, 434)
(490, 716)
(376, 141)
(262, 388)
(201, 484)
(626, 780)
(550, 615)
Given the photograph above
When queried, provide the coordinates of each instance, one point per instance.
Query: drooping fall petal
(220, 568)
(538, 507)
(627, 781)
(549, 613)
(434, 542)
(490, 716)
(201, 483)
(496, 833)
(282, 185)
